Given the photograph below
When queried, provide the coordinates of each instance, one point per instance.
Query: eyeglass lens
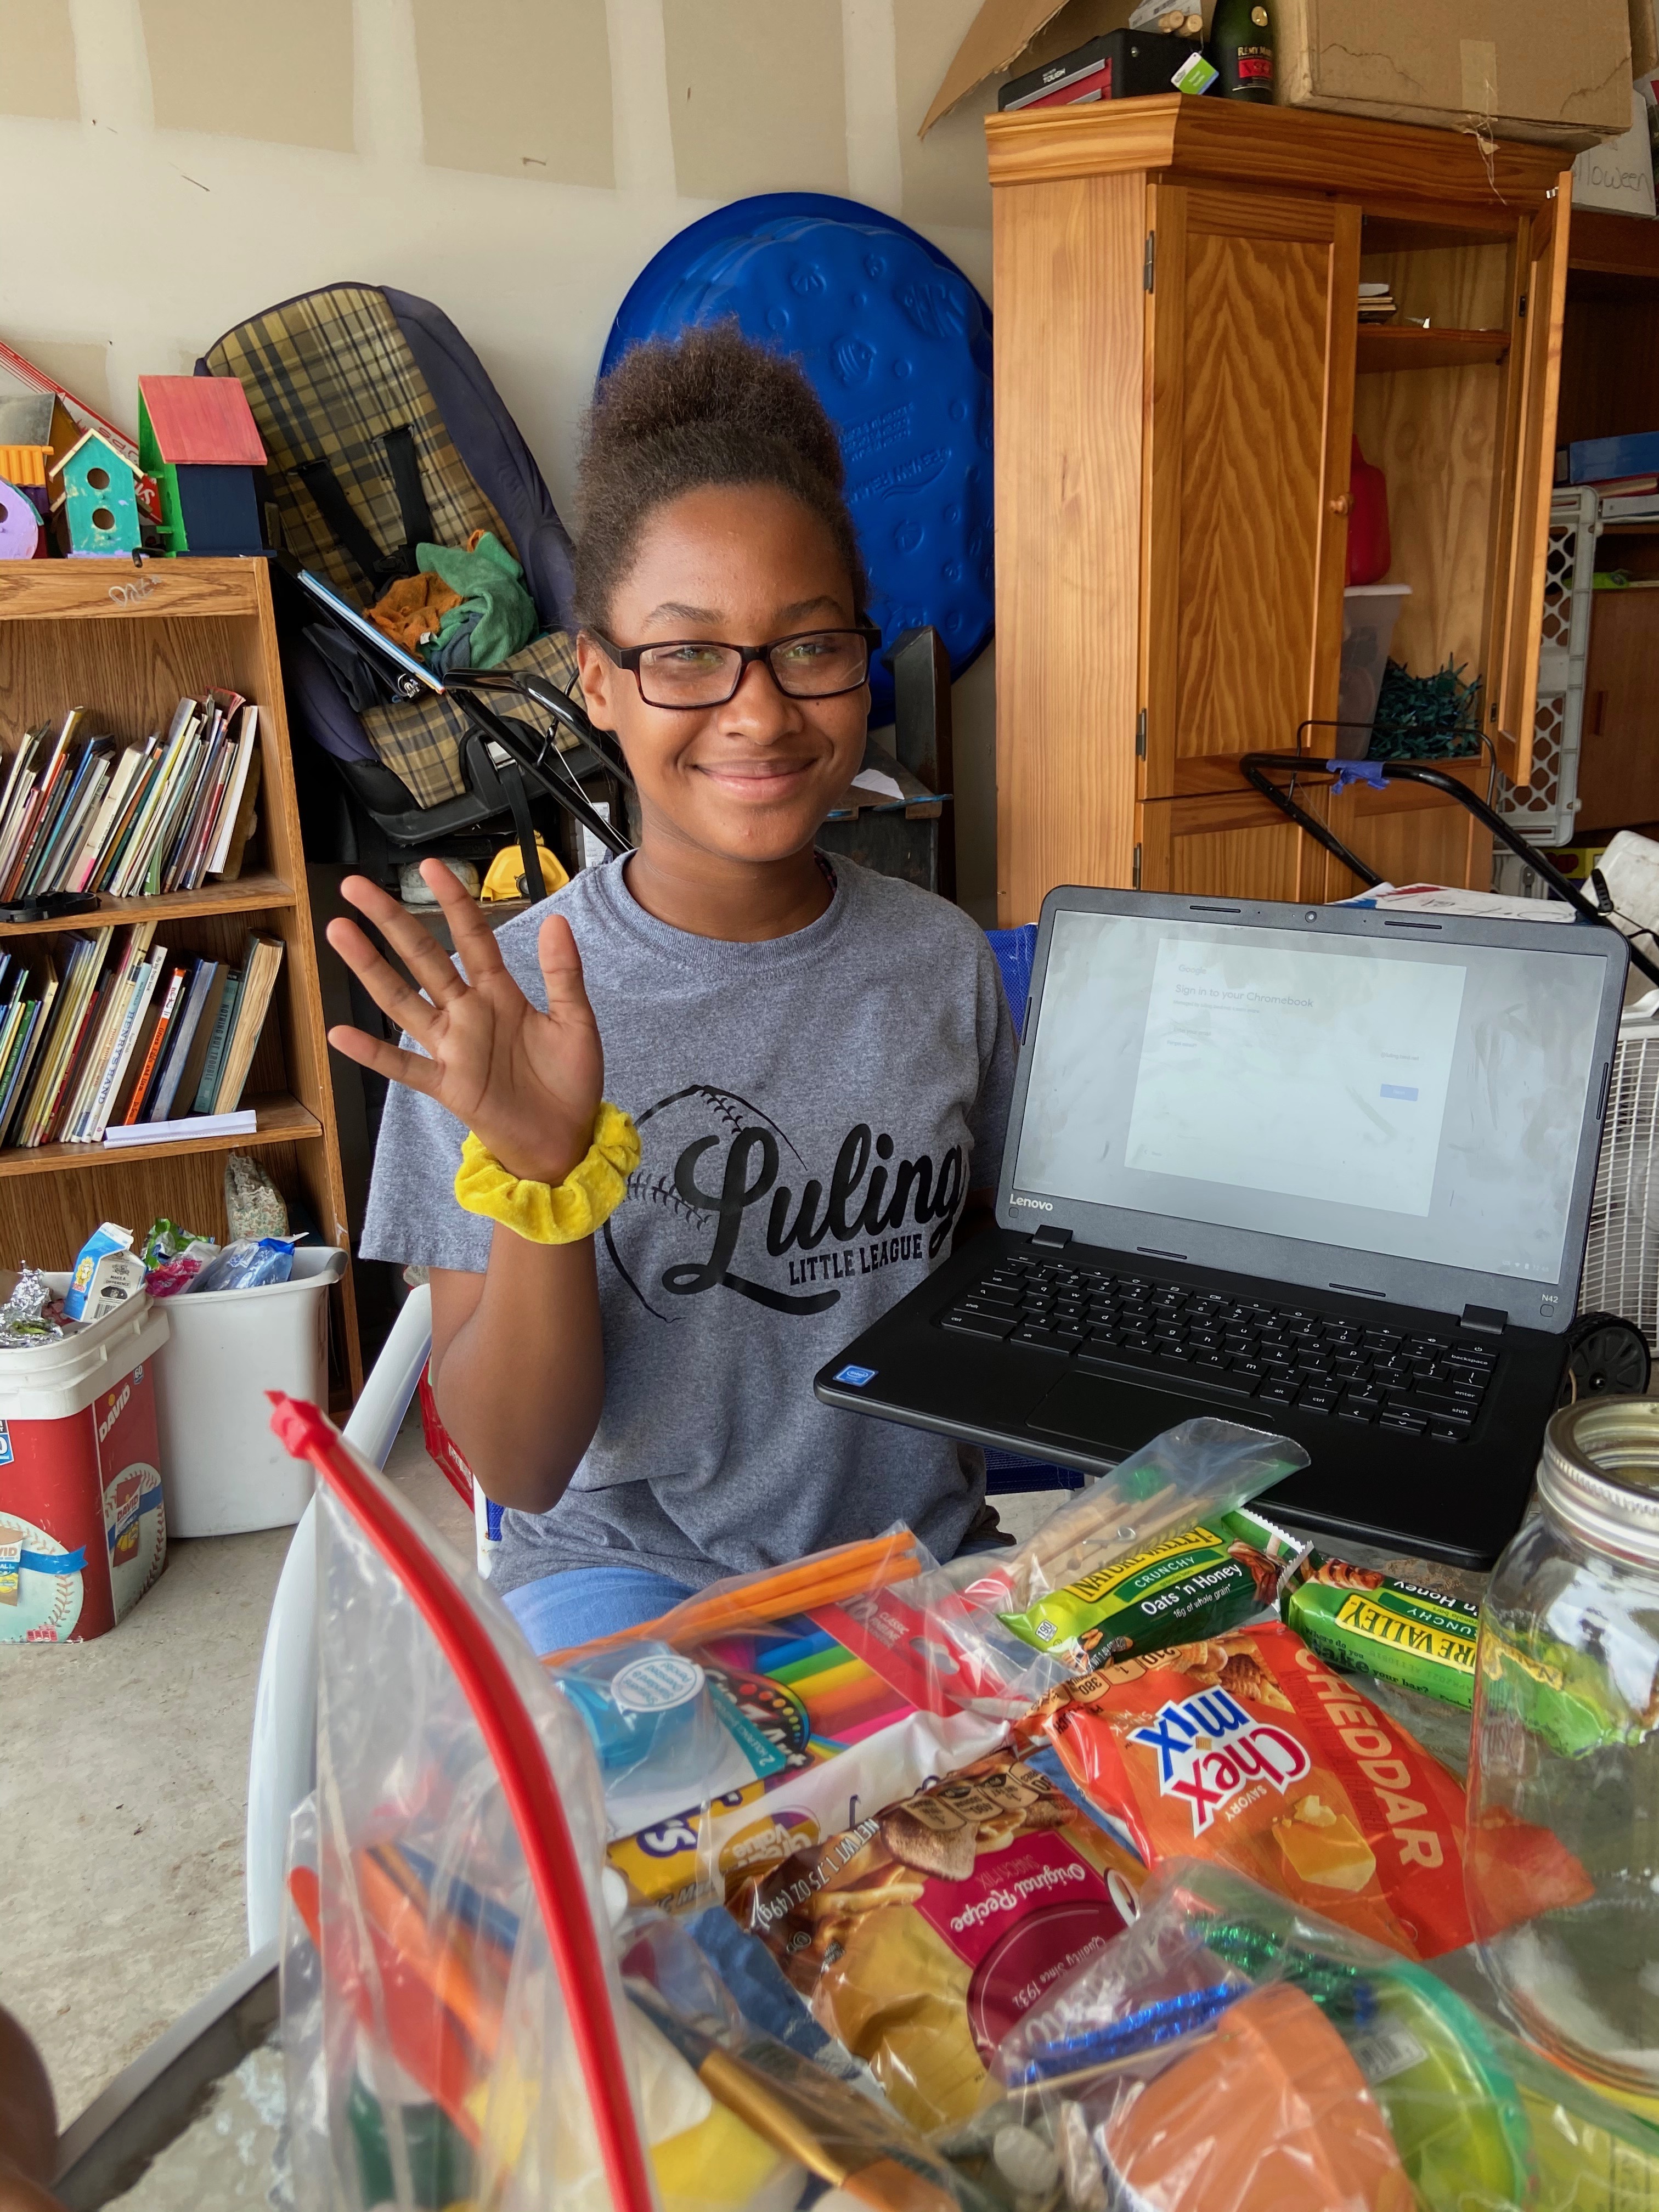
(706, 675)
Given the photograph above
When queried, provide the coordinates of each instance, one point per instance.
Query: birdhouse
(197, 438)
(33, 428)
(95, 499)
(20, 524)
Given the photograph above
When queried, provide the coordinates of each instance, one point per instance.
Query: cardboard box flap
(998, 36)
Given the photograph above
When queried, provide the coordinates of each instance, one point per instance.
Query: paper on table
(872, 779)
(1442, 898)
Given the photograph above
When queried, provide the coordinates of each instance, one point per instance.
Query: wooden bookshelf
(128, 641)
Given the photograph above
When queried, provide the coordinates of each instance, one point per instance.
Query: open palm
(527, 1083)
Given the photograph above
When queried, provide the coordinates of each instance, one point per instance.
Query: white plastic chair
(282, 1762)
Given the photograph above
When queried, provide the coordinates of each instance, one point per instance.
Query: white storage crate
(1543, 810)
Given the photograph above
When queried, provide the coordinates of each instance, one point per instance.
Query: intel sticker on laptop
(858, 1377)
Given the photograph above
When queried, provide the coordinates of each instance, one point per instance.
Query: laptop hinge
(1051, 1239)
(1486, 1321)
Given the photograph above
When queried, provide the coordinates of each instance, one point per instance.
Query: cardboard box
(1618, 174)
(1519, 69)
(1533, 70)
(1644, 38)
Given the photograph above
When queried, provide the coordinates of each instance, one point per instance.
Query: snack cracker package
(922, 1934)
(1200, 1581)
(1248, 1749)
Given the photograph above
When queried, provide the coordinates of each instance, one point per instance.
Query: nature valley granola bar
(1367, 1623)
(1198, 1582)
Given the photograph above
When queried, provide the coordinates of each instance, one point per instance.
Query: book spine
(213, 1066)
(143, 984)
(17, 1073)
(260, 972)
(141, 1089)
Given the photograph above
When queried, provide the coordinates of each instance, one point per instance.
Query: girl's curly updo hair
(707, 408)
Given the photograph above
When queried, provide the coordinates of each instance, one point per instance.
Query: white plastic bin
(222, 1471)
(1370, 612)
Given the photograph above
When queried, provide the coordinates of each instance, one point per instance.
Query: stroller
(382, 431)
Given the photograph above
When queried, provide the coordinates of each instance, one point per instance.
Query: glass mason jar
(1563, 1860)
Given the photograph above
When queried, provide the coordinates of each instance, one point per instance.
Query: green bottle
(1241, 49)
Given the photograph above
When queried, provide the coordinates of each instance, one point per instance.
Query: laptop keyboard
(1153, 1331)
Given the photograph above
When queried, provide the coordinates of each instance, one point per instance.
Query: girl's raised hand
(527, 1083)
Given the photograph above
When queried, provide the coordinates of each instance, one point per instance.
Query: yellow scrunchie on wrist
(554, 1213)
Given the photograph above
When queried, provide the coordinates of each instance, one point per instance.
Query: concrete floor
(123, 1797)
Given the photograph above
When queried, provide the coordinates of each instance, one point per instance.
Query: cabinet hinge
(1134, 876)
(1149, 260)
(1521, 305)
(1140, 735)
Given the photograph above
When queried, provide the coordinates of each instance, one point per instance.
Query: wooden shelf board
(121, 590)
(282, 1120)
(255, 894)
(1630, 529)
(1384, 347)
(1601, 243)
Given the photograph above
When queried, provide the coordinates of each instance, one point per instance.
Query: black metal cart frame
(1260, 769)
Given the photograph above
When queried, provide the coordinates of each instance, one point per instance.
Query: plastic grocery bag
(454, 2022)
(1233, 2053)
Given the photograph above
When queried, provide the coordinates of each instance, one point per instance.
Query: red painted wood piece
(202, 421)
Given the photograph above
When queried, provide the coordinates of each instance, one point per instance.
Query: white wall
(168, 167)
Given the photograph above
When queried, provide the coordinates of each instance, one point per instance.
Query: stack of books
(1376, 303)
(80, 813)
(1629, 499)
(106, 1037)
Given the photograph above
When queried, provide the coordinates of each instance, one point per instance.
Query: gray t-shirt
(812, 1112)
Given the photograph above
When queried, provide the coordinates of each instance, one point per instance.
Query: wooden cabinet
(1179, 375)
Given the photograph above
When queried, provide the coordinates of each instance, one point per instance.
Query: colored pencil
(825, 1578)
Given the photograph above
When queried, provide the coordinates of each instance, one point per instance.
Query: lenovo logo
(1037, 1205)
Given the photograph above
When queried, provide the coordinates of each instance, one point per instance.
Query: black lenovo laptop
(1325, 1170)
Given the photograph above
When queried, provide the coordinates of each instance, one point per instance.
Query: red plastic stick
(532, 1799)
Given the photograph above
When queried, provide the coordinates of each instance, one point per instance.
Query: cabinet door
(1518, 604)
(1251, 328)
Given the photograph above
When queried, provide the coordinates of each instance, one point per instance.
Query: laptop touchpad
(1103, 1415)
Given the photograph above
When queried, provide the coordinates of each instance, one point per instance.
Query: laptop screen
(1419, 1100)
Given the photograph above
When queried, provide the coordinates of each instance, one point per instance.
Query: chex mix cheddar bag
(1248, 1749)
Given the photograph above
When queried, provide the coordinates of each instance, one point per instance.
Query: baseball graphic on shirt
(736, 1205)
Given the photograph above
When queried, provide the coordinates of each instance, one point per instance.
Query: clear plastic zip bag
(456, 2028)
(454, 2024)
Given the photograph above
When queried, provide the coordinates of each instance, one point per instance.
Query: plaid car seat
(381, 426)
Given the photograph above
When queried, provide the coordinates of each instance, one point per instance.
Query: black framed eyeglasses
(698, 672)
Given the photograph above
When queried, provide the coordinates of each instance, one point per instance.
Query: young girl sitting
(817, 1060)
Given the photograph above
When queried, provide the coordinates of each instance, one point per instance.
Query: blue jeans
(580, 1603)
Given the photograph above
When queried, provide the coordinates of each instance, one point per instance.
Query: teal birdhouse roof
(91, 451)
